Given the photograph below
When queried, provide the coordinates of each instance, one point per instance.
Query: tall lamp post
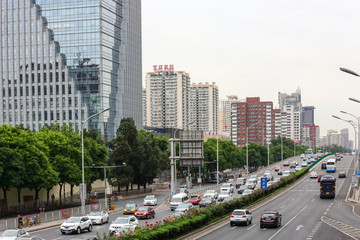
(83, 190)
(358, 125)
(354, 126)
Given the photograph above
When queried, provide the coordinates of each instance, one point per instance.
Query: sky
(257, 48)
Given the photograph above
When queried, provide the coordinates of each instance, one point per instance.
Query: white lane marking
(232, 228)
(298, 227)
(282, 206)
(293, 199)
(288, 223)
(312, 199)
(251, 227)
(325, 213)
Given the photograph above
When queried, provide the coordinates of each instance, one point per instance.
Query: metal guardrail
(320, 159)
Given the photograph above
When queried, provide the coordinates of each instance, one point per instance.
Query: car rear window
(239, 213)
(193, 197)
(268, 215)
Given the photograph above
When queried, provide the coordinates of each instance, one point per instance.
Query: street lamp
(354, 126)
(358, 125)
(349, 71)
(82, 189)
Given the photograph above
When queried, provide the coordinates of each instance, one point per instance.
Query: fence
(11, 223)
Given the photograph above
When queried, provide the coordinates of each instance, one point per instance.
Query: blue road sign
(357, 172)
(234, 173)
(264, 183)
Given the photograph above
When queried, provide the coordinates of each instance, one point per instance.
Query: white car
(269, 176)
(286, 173)
(240, 216)
(211, 193)
(99, 217)
(76, 224)
(150, 200)
(224, 195)
(297, 168)
(313, 175)
(247, 192)
(251, 183)
(14, 234)
(304, 164)
(227, 187)
(124, 222)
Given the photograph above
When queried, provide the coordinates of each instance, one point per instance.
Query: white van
(227, 187)
(178, 199)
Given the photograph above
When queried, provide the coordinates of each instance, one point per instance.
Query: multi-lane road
(304, 214)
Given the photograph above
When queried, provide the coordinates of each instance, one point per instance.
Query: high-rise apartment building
(292, 99)
(167, 97)
(144, 111)
(345, 136)
(252, 121)
(204, 107)
(63, 61)
(311, 135)
(225, 113)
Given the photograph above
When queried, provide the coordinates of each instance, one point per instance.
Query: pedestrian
(52, 199)
(20, 219)
(169, 185)
(43, 207)
(95, 193)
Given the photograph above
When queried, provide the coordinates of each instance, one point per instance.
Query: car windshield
(243, 187)
(150, 197)
(95, 214)
(143, 209)
(176, 199)
(210, 192)
(194, 197)
(9, 233)
(121, 221)
(238, 213)
(206, 199)
(73, 220)
(130, 206)
(248, 191)
(226, 185)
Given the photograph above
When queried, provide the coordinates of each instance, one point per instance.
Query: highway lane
(162, 211)
(301, 209)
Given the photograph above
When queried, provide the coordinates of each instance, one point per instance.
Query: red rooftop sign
(166, 67)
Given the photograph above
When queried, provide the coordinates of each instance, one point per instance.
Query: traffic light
(109, 199)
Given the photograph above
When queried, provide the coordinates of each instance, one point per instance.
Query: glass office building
(94, 50)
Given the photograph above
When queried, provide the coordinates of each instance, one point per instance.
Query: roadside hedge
(171, 228)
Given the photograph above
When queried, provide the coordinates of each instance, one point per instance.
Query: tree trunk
(37, 190)
(127, 187)
(47, 196)
(4, 190)
(118, 188)
(71, 191)
(64, 194)
(60, 184)
(132, 187)
(19, 199)
(144, 186)
(138, 186)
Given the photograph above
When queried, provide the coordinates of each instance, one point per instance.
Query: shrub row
(171, 228)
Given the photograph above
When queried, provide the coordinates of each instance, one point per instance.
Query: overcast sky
(257, 48)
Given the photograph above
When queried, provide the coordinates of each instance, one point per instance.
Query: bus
(331, 165)
(309, 152)
(213, 177)
(327, 187)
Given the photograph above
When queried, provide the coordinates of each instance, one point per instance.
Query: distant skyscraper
(308, 115)
(345, 136)
(311, 135)
(67, 60)
(225, 113)
(167, 98)
(255, 117)
(204, 107)
(292, 99)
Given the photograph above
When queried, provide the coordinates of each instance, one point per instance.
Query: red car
(319, 177)
(145, 212)
(286, 164)
(195, 199)
(277, 168)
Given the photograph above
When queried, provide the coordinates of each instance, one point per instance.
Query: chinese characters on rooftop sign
(158, 68)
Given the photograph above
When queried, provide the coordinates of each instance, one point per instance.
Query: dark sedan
(270, 218)
(342, 174)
